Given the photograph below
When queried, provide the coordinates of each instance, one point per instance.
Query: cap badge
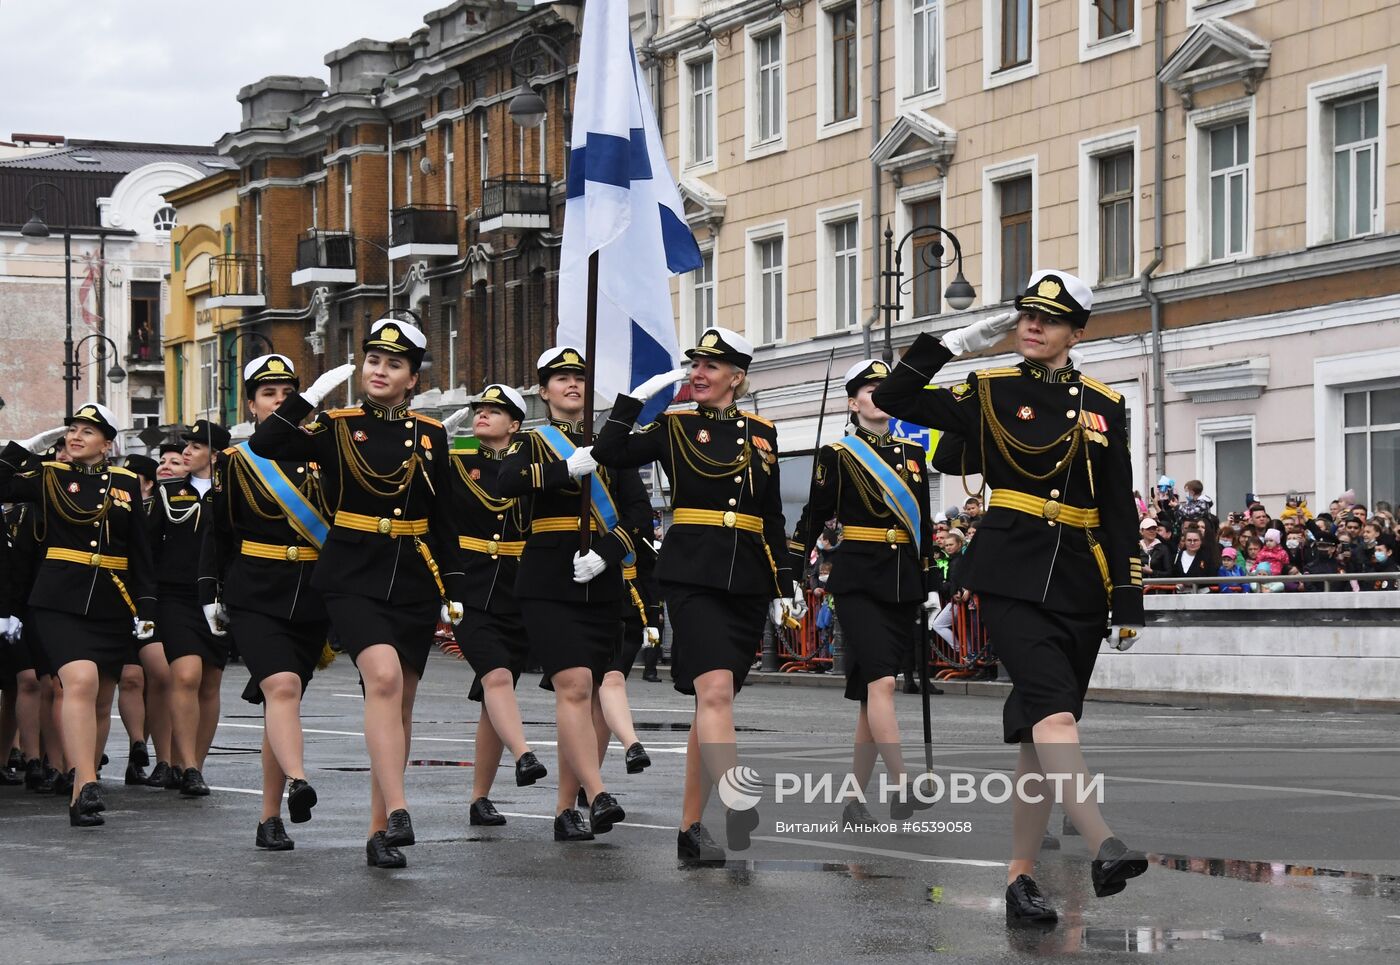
(492, 393)
(879, 368)
(276, 365)
(710, 340)
(1049, 288)
(389, 333)
(88, 412)
(571, 358)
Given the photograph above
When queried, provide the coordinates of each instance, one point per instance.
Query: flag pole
(585, 511)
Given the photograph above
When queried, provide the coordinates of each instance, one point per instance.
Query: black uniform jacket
(179, 518)
(243, 509)
(26, 553)
(718, 460)
(531, 470)
(385, 464)
(481, 513)
(842, 488)
(1018, 554)
(89, 510)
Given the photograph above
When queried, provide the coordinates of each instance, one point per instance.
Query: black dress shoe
(173, 778)
(192, 783)
(569, 826)
(636, 759)
(1114, 865)
(1049, 842)
(738, 825)
(16, 762)
(484, 814)
(158, 775)
(695, 844)
(528, 769)
(651, 677)
(63, 783)
(399, 834)
(139, 755)
(86, 811)
(135, 774)
(380, 854)
(104, 762)
(901, 810)
(46, 781)
(604, 812)
(1067, 828)
(1025, 905)
(857, 814)
(33, 774)
(9, 777)
(272, 836)
(301, 798)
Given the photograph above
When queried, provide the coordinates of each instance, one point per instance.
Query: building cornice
(699, 33)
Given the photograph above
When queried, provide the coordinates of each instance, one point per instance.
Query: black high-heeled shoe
(85, 812)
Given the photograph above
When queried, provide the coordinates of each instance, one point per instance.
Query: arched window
(164, 219)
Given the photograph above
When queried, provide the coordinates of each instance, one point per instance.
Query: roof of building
(117, 157)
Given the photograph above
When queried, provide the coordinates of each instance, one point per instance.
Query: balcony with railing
(325, 258)
(515, 203)
(143, 346)
(237, 281)
(423, 231)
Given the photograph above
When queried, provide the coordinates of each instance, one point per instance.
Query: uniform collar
(96, 469)
(730, 411)
(563, 424)
(1045, 374)
(874, 438)
(486, 452)
(385, 412)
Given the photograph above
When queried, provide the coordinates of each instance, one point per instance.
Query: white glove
(931, 602)
(451, 423)
(797, 607)
(10, 628)
(588, 566)
(656, 383)
(779, 612)
(44, 439)
(979, 335)
(322, 387)
(581, 462)
(144, 629)
(217, 617)
(451, 612)
(1123, 638)
(651, 637)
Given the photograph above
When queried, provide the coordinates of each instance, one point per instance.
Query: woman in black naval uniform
(389, 566)
(1056, 552)
(95, 583)
(268, 522)
(879, 573)
(570, 600)
(725, 561)
(492, 634)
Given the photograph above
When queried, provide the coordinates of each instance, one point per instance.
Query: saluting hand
(333, 379)
(656, 383)
(979, 335)
(451, 423)
(10, 629)
(44, 439)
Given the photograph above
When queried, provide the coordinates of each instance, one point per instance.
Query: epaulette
(422, 418)
(757, 418)
(55, 464)
(1100, 388)
(121, 471)
(683, 412)
(343, 413)
(231, 450)
(907, 442)
(997, 372)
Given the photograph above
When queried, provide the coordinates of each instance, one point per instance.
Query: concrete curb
(1180, 699)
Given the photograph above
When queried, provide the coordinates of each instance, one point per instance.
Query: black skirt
(360, 623)
(182, 629)
(712, 629)
(1049, 657)
(632, 640)
(568, 635)
(272, 646)
(492, 641)
(67, 637)
(879, 639)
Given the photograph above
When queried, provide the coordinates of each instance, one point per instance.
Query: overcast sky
(141, 70)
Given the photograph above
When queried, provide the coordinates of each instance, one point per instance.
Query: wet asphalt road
(1306, 803)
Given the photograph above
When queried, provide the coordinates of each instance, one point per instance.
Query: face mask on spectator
(1293, 544)
(1381, 556)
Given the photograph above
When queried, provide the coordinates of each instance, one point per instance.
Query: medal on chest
(74, 488)
(1025, 413)
(702, 436)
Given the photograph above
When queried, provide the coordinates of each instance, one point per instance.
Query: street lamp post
(220, 386)
(527, 108)
(959, 293)
(36, 227)
(103, 350)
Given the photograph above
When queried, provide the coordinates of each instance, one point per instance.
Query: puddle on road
(855, 872)
(431, 762)
(1354, 884)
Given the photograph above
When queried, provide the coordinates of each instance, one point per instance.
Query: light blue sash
(303, 516)
(604, 509)
(897, 494)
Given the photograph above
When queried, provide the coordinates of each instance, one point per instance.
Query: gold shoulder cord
(382, 485)
(871, 496)
(67, 510)
(493, 503)
(1006, 442)
(703, 465)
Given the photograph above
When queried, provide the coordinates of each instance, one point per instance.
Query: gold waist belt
(491, 546)
(86, 559)
(873, 534)
(559, 524)
(713, 517)
(1053, 510)
(268, 551)
(380, 524)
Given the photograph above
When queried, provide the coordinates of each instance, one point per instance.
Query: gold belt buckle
(96, 560)
(492, 547)
(385, 525)
(730, 518)
(293, 553)
(1051, 509)
(891, 536)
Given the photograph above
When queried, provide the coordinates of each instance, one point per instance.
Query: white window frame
(910, 99)
(753, 321)
(992, 176)
(208, 350)
(827, 309)
(408, 177)
(483, 142)
(1198, 10)
(907, 197)
(347, 194)
(710, 164)
(753, 147)
(826, 127)
(1228, 428)
(315, 204)
(690, 323)
(1091, 47)
(1198, 126)
(1322, 96)
(450, 317)
(449, 161)
(992, 74)
(1333, 377)
(1091, 150)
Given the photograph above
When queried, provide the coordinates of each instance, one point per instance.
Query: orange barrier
(971, 655)
(803, 650)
